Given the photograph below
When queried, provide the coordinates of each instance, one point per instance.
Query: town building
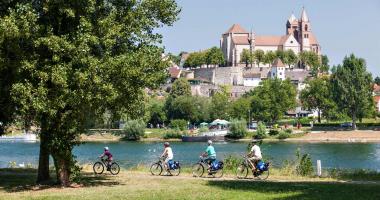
(298, 37)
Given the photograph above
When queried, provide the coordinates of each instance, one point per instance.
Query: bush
(289, 131)
(238, 129)
(231, 162)
(203, 129)
(134, 129)
(305, 165)
(180, 124)
(283, 135)
(273, 132)
(173, 134)
(261, 131)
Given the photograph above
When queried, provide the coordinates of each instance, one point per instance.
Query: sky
(342, 27)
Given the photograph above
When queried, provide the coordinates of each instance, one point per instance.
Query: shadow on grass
(17, 180)
(304, 190)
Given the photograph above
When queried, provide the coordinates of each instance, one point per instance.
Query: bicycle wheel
(218, 173)
(175, 172)
(198, 170)
(263, 175)
(98, 168)
(114, 169)
(242, 171)
(156, 169)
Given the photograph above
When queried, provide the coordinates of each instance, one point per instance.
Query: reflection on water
(131, 153)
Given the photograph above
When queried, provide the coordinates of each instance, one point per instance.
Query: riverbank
(358, 136)
(140, 185)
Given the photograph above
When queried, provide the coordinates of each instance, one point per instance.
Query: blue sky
(342, 27)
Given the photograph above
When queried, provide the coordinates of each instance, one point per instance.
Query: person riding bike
(210, 154)
(109, 157)
(167, 154)
(254, 155)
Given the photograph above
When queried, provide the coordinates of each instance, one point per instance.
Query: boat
(27, 137)
(216, 136)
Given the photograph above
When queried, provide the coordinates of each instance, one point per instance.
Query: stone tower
(304, 31)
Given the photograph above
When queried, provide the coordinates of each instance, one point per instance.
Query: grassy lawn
(140, 185)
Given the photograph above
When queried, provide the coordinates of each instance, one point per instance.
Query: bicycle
(261, 170)
(99, 166)
(216, 168)
(173, 169)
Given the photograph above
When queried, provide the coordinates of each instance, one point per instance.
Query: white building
(278, 69)
(298, 38)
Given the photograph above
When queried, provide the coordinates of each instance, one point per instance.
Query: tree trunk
(43, 163)
(354, 121)
(62, 162)
(319, 116)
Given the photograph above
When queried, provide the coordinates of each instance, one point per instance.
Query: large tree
(259, 56)
(352, 88)
(269, 58)
(220, 103)
(272, 99)
(73, 56)
(318, 96)
(289, 58)
(246, 57)
(214, 56)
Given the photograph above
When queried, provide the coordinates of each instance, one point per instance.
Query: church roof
(278, 63)
(240, 40)
(292, 18)
(270, 40)
(304, 15)
(312, 39)
(236, 28)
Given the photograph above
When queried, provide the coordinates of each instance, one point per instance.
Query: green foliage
(352, 88)
(261, 131)
(310, 59)
(203, 129)
(180, 87)
(68, 58)
(318, 96)
(289, 58)
(259, 56)
(134, 129)
(238, 129)
(239, 108)
(269, 58)
(174, 58)
(220, 104)
(155, 109)
(272, 99)
(273, 132)
(180, 124)
(195, 59)
(173, 134)
(289, 131)
(214, 56)
(190, 108)
(377, 80)
(305, 165)
(231, 162)
(283, 135)
(246, 57)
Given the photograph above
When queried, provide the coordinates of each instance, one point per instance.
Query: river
(127, 154)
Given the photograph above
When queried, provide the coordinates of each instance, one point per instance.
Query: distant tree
(309, 59)
(174, 58)
(190, 108)
(272, 99)
(155, 109)
(377, 80)
(270, 56)
(180, 87)
(352, 88)
(214, 56)
(318, 96)
(220, 103)
(246, 57)
(195, 59)
(290, 58)
(259, 56)
(240, 108)
(238, 128)
(325, 67)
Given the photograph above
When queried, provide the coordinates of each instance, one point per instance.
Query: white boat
(26, 137)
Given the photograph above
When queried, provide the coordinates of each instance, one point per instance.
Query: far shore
(357, 136)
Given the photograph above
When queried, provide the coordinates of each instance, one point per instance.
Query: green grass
(17, 184)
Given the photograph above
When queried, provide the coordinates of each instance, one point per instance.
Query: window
(274, 75)
(280, 73)
(306, 27)
(291, 41)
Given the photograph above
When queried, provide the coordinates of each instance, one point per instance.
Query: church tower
(292, 26)
(304, 31)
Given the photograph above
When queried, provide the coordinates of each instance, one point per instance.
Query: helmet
(106, 149)
(166, 144)
(209, 142)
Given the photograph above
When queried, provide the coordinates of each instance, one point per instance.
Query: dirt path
(339, 136)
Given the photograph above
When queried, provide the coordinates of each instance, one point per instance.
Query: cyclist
(210, 154)
(109, 157)
(254, 155)
(167, 154)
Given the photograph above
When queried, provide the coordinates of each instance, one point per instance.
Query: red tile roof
(240, 40)
(313, 39)
(236, 28)
(270, 40)
(278, 63)
(174, 72)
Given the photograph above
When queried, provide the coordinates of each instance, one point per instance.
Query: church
(298, 38)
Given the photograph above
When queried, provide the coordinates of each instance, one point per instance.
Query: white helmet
(106, 148)
(209, 142)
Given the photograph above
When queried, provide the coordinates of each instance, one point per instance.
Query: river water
(127, 154)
